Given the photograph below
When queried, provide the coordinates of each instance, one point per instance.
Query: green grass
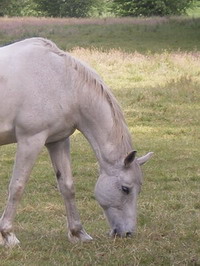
(157, 81)
(142, 35)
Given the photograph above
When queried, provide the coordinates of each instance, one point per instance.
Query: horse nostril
(115, 232)
(128, 234)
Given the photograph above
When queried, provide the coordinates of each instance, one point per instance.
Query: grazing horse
(45, 95)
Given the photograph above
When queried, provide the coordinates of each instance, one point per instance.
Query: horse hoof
(81, 236)
(9, 240)
(84, 236)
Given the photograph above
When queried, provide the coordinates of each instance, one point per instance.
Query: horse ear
(144, 158)
(129, 158)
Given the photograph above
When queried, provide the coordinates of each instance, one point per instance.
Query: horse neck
(107, 134)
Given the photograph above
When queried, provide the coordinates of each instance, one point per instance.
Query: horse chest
(7, 134)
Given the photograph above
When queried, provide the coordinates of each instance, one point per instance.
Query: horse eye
(126, 190)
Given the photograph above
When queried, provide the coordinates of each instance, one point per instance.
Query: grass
(142, 35)
(157, 82)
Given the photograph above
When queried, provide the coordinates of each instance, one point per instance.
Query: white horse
(45, 95)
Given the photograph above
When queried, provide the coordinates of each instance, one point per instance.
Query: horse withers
(46, 94)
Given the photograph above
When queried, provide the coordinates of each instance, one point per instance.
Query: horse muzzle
(116, 232)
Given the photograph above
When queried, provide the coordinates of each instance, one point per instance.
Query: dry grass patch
(16, 22)
(142, 71)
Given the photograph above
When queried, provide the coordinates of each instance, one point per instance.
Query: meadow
(153, 68)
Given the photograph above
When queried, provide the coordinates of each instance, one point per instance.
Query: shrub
(151, 7)
(64, 8)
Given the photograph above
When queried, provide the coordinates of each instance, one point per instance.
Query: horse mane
(120, 130)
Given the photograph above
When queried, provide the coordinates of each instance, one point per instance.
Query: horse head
(117, 190)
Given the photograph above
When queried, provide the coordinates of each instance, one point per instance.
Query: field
(153, 68)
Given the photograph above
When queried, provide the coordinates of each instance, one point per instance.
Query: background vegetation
(91, 8)
(151, 7)
(153, 67)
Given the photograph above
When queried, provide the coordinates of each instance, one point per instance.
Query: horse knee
(66, 188)
(68, 191)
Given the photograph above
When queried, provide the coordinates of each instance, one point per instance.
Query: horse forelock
(87, 75)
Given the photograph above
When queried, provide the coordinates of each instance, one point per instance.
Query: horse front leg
(27, 152)
(60, 156)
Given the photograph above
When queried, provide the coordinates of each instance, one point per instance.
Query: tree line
(93, 8)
